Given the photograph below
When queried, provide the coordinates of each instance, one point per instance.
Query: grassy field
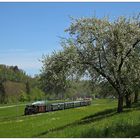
(97, 120)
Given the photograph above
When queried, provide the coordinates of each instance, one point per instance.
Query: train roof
(55, 104)
(39, 103)
(46, 102)
(77, 101)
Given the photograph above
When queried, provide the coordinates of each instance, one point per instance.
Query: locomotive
(41, 106)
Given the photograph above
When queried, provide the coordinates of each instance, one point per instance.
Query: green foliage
(23, 97)
(56, 71)
(16, 86)
(106, 90)
(36, 94)
(79, 88)
(12, 73)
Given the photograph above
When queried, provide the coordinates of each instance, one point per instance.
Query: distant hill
(12, 91)
(14, 88)
(16, 85)
(12, 83)
(12, 73)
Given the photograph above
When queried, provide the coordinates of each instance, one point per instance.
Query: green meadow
(100, 119)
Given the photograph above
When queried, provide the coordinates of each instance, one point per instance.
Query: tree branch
(129, 51)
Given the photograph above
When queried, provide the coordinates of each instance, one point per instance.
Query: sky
(29, 30)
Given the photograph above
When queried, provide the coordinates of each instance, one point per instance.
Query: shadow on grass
(92, 118)
(136, 105)
(98, 116)
(118, 130)
(85, 120)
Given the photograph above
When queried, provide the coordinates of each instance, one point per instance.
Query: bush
(23, 97)
(36, 94)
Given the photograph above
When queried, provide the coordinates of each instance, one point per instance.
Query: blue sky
(29, 30)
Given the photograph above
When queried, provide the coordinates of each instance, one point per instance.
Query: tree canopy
(106, 50)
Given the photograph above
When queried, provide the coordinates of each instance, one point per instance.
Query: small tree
(27, 87)
(23, 97)
(2, 93)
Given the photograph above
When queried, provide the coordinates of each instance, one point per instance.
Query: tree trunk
(120, 104)
(2, 93)
(128, 100)
(136, 97)
(27, 87)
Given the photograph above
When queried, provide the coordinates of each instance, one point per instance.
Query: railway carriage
(54, 107)
(61, 106)
(83, 103)
(41, 106)
(48, 108)
(69, 105)
(77, 103)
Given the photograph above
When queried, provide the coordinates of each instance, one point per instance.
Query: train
(42, 106)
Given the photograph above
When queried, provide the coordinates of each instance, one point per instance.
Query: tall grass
(97, 120)
(40, 124)
(104, 124)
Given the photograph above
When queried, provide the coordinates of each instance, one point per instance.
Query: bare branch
(129, 51)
